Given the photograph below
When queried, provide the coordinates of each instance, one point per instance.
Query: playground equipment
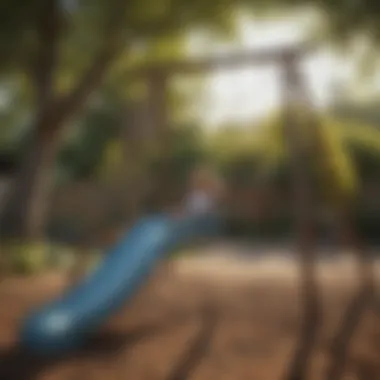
(65, 323)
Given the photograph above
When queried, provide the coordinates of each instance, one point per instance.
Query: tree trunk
(24, 215)
(26, 210)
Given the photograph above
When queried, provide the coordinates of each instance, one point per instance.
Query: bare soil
(253, 316)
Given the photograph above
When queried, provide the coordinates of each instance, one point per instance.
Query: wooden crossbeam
(154, 117)
(225, 61)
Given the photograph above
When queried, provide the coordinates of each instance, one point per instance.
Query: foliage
(351, 151)
(27, 258)
(183, 151)
(58, 52)
(82, 24)
(88, 140)
(335, 168)
(82, 156)
(364, 112)
(32, 259)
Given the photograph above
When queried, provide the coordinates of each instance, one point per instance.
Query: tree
(81, 156)
(60, 52)
(26, 210)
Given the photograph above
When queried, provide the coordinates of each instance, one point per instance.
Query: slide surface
(66, 322)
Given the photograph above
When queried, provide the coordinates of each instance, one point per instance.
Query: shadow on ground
(19, 364)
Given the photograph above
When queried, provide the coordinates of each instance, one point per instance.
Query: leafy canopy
(350, 150)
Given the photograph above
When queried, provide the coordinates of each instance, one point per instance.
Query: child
(204, 192)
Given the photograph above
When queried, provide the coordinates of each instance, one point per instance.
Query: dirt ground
(250, 307)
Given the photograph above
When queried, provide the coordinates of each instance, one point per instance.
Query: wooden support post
(299, 138)
(154, 118)
(304, 207)
(157, 107)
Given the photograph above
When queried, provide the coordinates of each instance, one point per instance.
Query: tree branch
(112, 44)
(44, 64)
(146, 30)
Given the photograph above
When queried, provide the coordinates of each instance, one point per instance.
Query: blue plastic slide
(65, 323)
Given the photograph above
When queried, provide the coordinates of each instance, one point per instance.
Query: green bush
(28, 259)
